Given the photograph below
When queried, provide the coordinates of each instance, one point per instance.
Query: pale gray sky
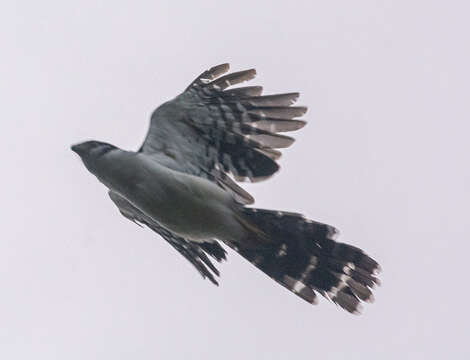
(384, 158)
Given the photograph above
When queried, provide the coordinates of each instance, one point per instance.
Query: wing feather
(211, 131)
(194, 253)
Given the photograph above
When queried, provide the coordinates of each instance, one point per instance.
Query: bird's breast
(187, 205)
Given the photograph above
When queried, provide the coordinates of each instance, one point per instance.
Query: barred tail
(301, 255)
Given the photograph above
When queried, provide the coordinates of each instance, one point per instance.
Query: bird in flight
(182, 184)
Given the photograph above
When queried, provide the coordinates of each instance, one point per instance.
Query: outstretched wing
(211, 132)
(194, 253)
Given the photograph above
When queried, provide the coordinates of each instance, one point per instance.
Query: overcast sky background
(385, 158)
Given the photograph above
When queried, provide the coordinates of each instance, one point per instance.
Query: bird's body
(178, 185)
(190, 206)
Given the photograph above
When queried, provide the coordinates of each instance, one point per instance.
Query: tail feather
(303, 256)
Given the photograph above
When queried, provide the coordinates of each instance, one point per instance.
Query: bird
(184, 183)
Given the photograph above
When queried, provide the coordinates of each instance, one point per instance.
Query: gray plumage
(182, 185)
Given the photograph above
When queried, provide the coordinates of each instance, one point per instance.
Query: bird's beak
(75, 148)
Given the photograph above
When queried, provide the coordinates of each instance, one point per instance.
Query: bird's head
(91, 151)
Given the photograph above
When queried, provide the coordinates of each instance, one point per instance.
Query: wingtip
(221, 67)
(358, 311)
(302, 124)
